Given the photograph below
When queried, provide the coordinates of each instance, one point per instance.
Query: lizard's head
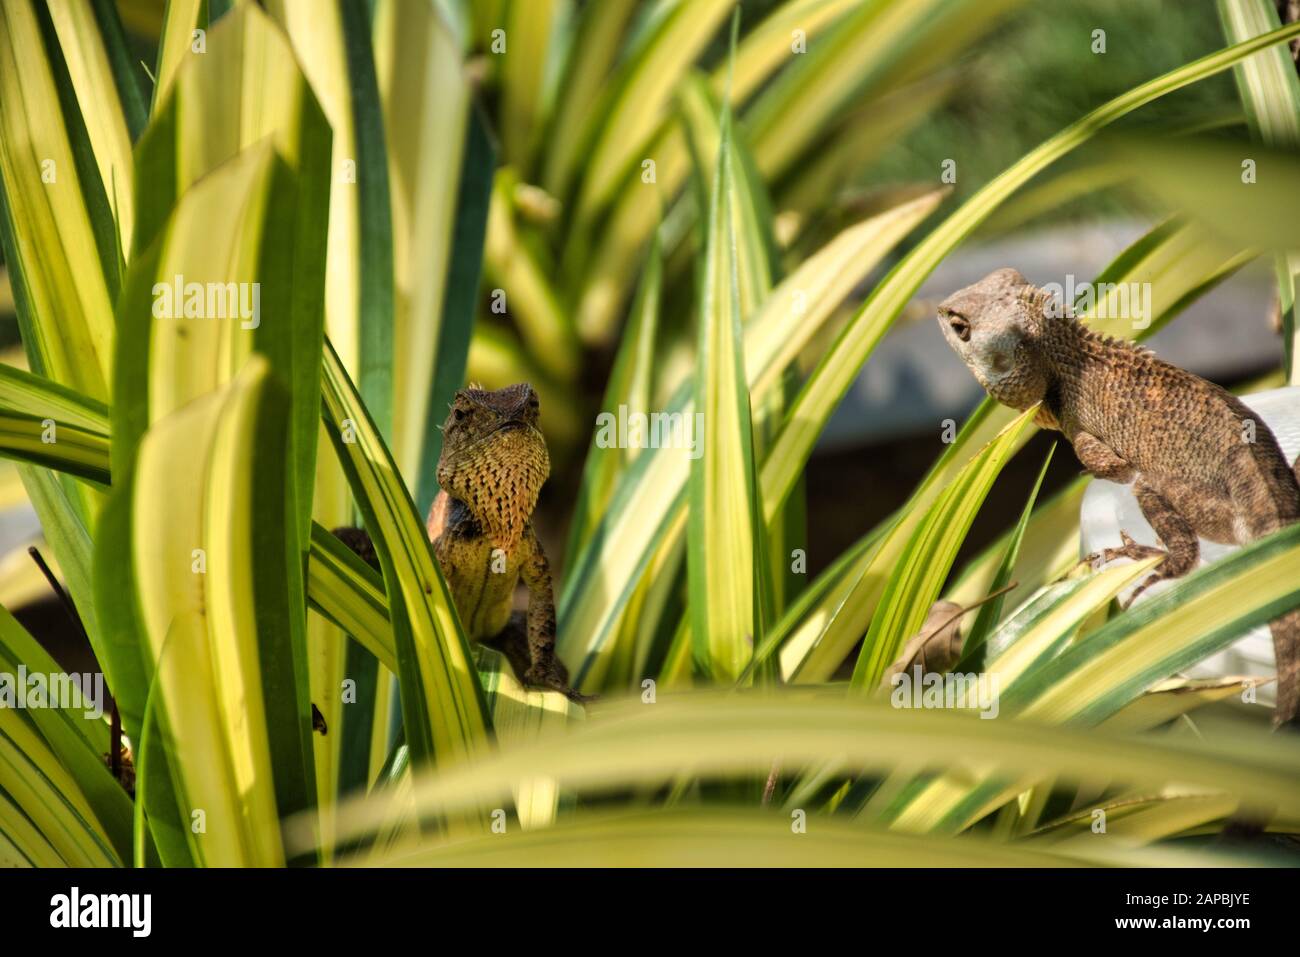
(494, 457)
(995, 326)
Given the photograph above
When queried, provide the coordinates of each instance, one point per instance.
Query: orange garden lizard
(493, 463)
(1195, 466)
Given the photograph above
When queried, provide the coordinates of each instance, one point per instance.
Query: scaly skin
(1183, 443)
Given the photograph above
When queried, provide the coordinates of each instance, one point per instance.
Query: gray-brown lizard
(1181, 441)
(493, 463)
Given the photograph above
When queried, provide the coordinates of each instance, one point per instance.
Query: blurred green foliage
(1037, 72)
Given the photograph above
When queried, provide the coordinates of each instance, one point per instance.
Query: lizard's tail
(1286, 649)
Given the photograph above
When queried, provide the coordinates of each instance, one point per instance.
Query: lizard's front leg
(1100, 460)
(545, 670)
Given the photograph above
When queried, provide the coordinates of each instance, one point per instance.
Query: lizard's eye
(458, 414)
(960, 327)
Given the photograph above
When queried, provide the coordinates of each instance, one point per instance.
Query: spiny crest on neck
(1052, 309)
(1041, 300)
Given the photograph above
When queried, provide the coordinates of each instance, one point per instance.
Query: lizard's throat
(503, 517)
(1013, 392)
(1018, 378)
(499, 485)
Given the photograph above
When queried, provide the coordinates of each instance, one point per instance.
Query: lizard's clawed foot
(1130, 549)
(549, 680)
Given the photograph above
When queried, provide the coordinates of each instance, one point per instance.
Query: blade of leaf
(211, 581)
(915, 579)
(725, 732)
(990, 613)
(528, 30)
(463, 273)
(629, 388)
(1270, 92)
(595, 48)
(722, 547)
(1095, 678)
(652, 491)
(78, 741)
(639, 95)
(58, 233)
(442, 700)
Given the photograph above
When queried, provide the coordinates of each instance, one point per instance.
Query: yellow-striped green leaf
(442, 702)
(350, 594)
(630, 387)
(282, 263)
(1270, 93)
(60, 241)
(438, 165)
(46, 424)
(774, 41)
(725, 733)
(1094, 678)
(804, 620)
(71, 741)
(31, 438)
(929, 542)
(1049, 548)
(641, 93)
(723, 524)
(333, 42)
(107, 92)
(991, 612)
(529, 30)
(650, 498)
(460, 298)
(184, 34)
(1137, 819)
(716, 837)
(1267, 82)
(510, 264)
(853, 144)
(47, 796)
(229, 262)
(1040, 630)
(1151, 640)
(595, 48)
(749, 208)
(209, 562)
(853, 45)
